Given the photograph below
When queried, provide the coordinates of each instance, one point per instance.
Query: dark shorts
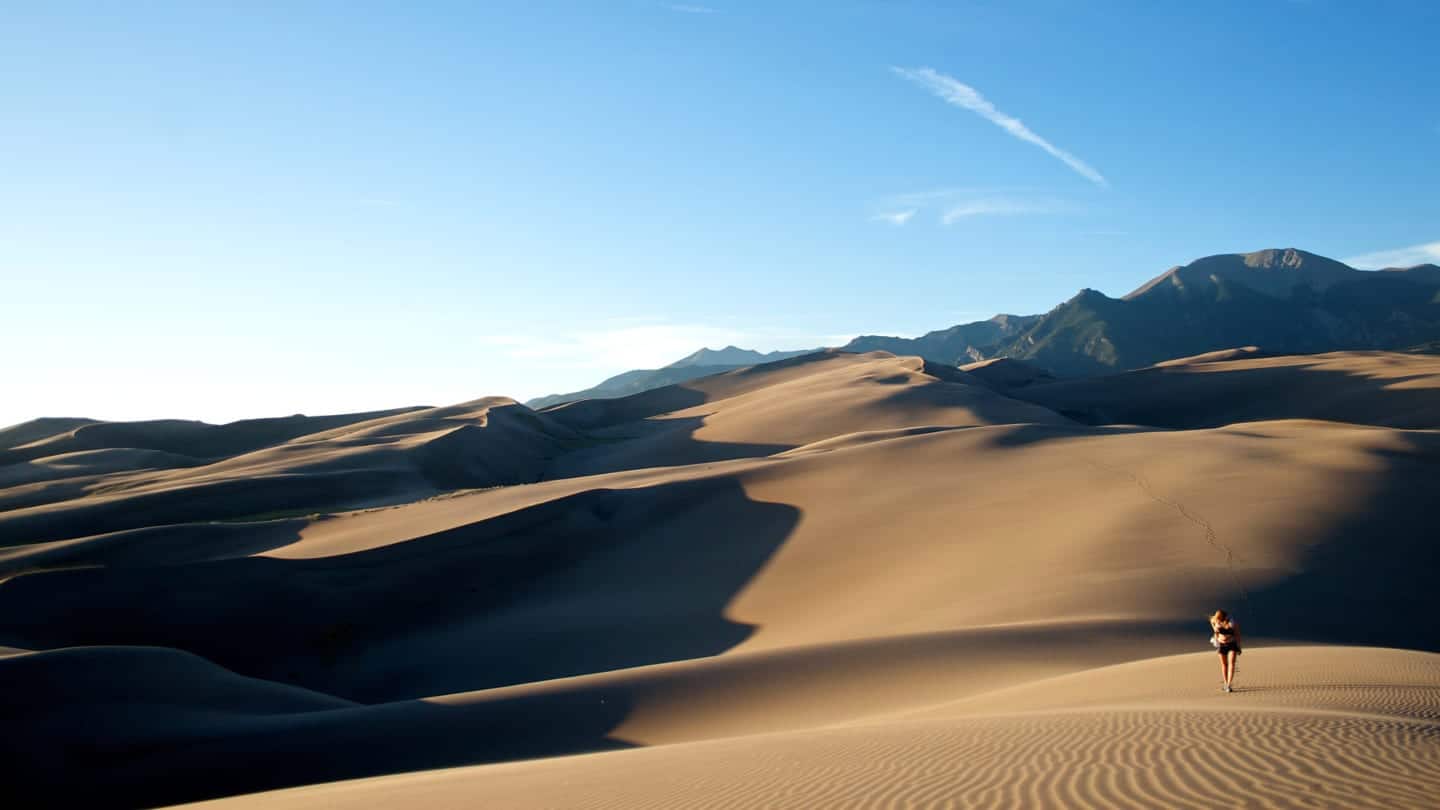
(1228, 648)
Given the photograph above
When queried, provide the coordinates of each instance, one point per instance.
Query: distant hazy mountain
(633, 382)
(966, 343)
(734, 357)
(1285, 301)
(700, 364)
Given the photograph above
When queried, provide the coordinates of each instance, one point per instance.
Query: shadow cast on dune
(164, 727)
(988, 406)
(651, 588)
(232, 499)
(1248, 391)
(589, 414)
(1023, 435)
(142, 548)
(1369, 579)
(651, 443)
(1366, 577)
(374, 741)
(602, 579)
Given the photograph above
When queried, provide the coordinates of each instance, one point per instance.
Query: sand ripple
(1100, 759)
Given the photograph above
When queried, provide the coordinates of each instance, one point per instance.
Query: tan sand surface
(837, 580)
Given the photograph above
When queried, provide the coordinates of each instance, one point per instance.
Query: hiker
(1225, 638)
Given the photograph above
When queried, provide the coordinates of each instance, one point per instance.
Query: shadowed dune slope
(1371, 388)
(195, 439)
(90, 463)
(38, 429)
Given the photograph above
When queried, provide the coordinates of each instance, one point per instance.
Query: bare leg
(1224, 672)
(1230, 667)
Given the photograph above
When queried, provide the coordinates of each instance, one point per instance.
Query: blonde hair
(1220, 616)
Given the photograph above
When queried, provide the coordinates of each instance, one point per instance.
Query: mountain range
(1281, 300)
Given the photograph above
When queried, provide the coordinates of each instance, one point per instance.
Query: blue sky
(224, 210)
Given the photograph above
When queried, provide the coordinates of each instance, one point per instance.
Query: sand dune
(86, 463)
(836, 580)
(38, 429)
(779, 406)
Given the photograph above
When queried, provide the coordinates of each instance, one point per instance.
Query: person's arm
(1235, 628)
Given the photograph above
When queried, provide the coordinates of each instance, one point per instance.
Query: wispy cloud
(686, 8)
(997, 207)
(962, 95)
(896, 217)
(1428, 253)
